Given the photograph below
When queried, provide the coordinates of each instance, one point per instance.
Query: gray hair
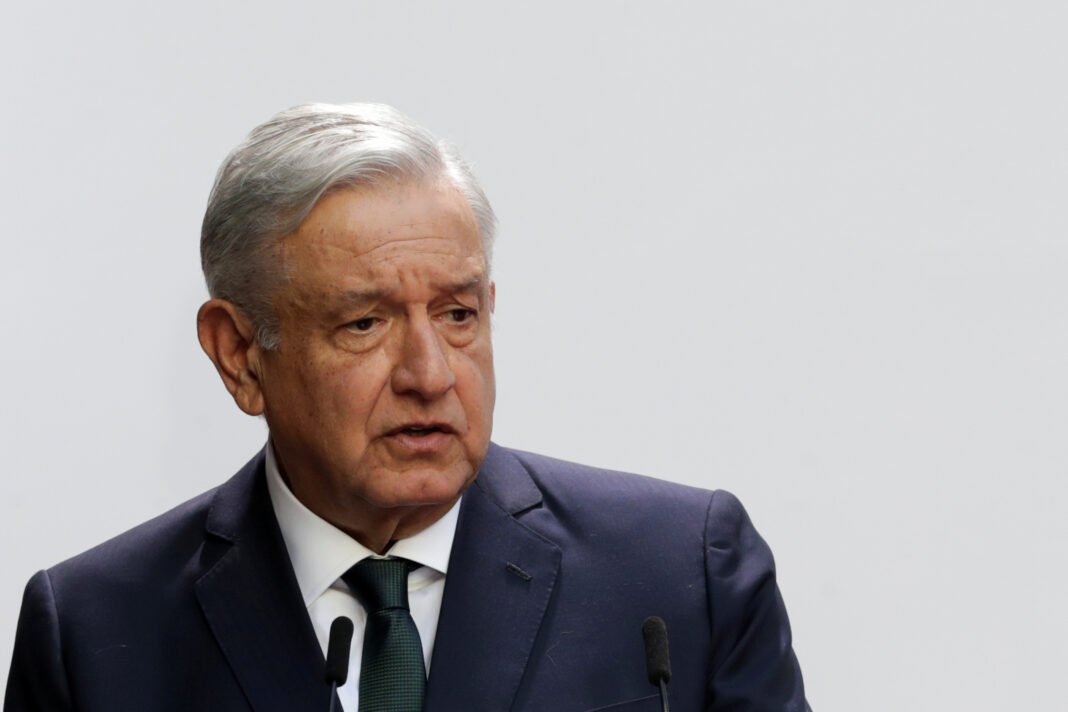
(272, 180)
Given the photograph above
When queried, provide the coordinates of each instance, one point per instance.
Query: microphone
(657, 661)
(337, 656)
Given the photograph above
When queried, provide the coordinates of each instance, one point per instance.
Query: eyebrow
(469, 285)
(357, 297)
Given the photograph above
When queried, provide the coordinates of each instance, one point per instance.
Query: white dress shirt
(321, 553)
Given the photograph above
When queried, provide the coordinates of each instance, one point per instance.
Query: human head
(353, 313)
(272, 180)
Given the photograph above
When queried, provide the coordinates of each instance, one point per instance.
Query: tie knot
(380, 584)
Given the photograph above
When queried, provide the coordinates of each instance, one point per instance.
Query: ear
(493, 296)
(227, 337)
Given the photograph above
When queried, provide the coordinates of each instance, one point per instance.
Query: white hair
(272, 180)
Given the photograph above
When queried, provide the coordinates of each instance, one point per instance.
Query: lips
(419, 429)
(421, 439)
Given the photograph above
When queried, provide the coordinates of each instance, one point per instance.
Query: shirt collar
(321, 553)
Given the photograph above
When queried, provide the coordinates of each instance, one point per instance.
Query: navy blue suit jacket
(553, 569)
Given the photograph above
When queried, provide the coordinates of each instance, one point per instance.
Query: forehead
(384, 237)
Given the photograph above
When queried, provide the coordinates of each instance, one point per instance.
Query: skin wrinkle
(472, 261)
(356, 299)
(354, 302)
(390, 242)
(389, 189)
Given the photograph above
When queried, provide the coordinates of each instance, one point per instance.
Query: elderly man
(347, 254)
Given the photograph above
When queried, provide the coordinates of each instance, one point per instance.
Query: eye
(461, 315)
(365, 324)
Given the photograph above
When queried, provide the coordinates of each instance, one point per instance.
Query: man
(347, 254)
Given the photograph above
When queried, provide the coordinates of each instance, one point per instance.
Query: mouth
(422, 430)
(421, 439)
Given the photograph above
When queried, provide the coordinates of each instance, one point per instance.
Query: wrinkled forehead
(369, 216)
(382, 238)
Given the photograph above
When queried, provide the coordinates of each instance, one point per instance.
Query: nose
(423, 367)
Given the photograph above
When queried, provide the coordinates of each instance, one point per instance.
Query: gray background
(813, 253)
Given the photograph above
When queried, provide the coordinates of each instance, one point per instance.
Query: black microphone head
(657, 660)
(337, 650)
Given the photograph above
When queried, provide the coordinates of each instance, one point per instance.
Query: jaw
(402, 504)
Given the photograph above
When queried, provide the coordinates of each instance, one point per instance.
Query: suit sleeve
(753, 666)
(38, 680)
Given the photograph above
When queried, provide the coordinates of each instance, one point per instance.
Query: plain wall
(813, 253)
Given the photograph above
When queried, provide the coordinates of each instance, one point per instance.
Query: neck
(376, 528)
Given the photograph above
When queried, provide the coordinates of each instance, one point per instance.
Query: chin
(421, 487)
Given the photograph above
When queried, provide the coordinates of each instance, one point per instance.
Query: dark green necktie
(392, 675)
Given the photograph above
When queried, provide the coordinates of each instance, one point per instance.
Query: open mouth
(421, 430)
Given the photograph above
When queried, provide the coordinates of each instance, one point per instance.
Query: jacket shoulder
(610, 486)
(634, 506)
(173, 541)
(145, 550)
(693, 554)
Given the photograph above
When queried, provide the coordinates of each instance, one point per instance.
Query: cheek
(355, 389)
(489, 386)
(478, 388)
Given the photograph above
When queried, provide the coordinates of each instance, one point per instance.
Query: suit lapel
(500, 581)
(252, 602)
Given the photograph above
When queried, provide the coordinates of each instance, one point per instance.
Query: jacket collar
(252, 603)
(500, 582)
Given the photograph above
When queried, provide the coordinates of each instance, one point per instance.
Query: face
(381, 393)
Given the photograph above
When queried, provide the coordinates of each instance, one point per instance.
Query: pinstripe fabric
(392, 673)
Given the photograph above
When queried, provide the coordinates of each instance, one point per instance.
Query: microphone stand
(664, 707)
(333, 697)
